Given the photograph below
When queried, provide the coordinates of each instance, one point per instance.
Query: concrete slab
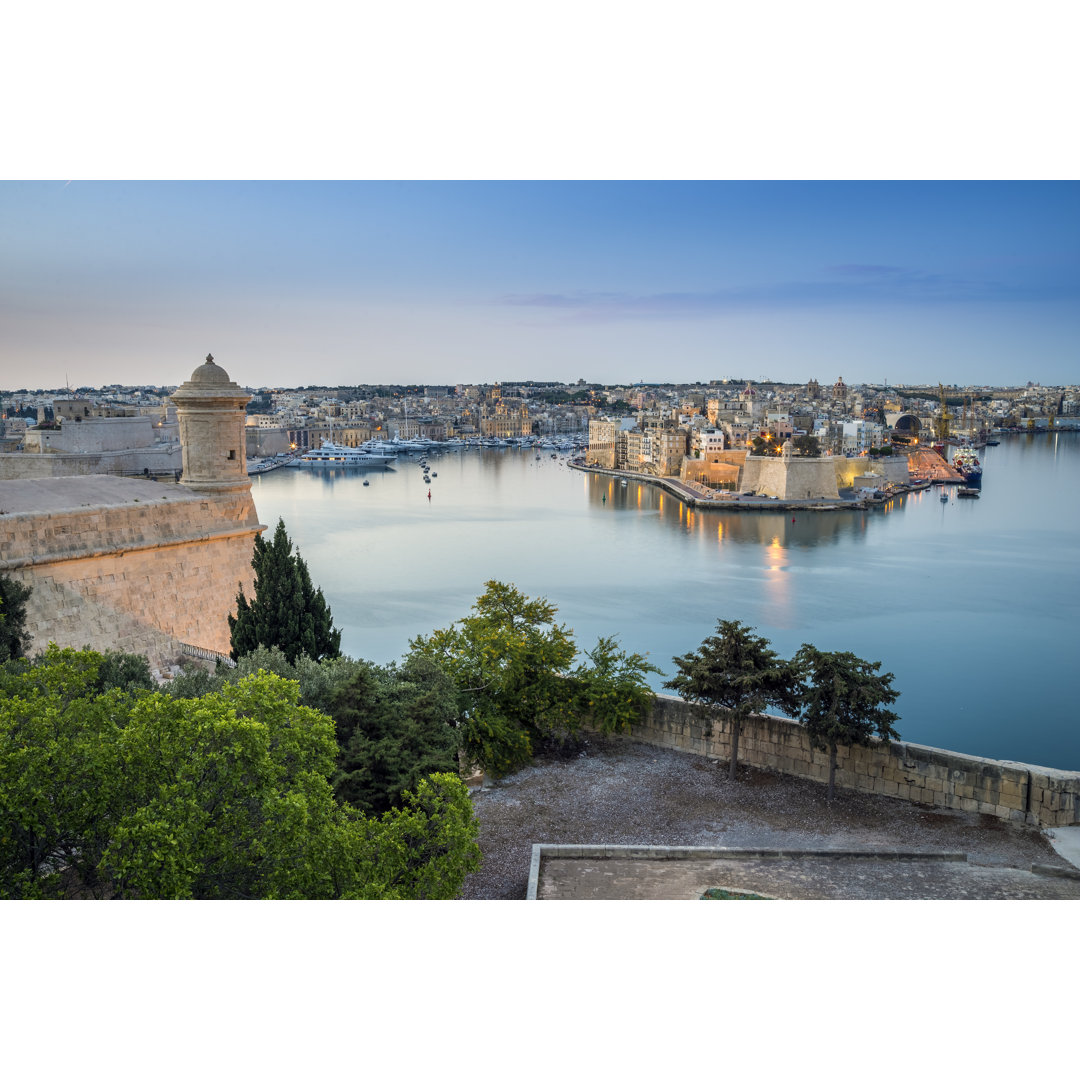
(1066, 842)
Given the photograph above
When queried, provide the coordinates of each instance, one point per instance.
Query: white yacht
(331, 454)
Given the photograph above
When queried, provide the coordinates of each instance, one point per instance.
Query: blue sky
(304, 283)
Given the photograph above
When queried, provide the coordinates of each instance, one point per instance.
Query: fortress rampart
(140, 566)
(920, 774)
(131, 564)
(162, 459)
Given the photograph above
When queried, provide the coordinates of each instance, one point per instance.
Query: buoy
(429, 494)
(792, 521)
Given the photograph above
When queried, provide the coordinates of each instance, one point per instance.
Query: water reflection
(972, 604)
(803, 528)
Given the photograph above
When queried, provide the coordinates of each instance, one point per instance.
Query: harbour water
(974, 605)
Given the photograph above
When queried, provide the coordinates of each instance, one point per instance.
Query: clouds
(852, 285)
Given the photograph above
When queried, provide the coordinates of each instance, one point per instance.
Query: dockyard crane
(941, 424)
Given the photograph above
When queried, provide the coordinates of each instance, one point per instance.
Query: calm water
(974, 605)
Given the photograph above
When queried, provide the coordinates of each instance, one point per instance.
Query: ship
(966, 462)
(331, 454)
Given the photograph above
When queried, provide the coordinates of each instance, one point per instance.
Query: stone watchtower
(210, 410)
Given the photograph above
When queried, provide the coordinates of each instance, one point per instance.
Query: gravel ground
(618, 792)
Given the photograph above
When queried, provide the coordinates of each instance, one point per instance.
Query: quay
(699, 497)
(927, 464)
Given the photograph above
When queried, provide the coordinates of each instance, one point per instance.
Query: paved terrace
(613, 792)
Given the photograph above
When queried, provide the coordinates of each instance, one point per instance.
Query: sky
(345, 282)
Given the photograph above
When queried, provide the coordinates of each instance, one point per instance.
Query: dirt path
(618, 792)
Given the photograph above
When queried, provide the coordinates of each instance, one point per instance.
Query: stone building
(146, 567)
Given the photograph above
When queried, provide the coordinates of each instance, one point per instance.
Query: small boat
(967, 493)
(367, 483)
(427, 479)
(434, 474)
(944, 497)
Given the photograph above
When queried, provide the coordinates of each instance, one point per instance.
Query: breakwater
(935, 778)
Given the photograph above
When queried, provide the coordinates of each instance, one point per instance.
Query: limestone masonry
(1010, 790)
(129, 564)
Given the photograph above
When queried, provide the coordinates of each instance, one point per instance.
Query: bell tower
(210, 411)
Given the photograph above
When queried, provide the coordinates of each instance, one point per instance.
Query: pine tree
(287, 610)
(843, 702)
(735, 674)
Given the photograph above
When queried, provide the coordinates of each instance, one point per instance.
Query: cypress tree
(287, 610)
(14, 637)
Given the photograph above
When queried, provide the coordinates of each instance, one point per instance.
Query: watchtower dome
(210, 411)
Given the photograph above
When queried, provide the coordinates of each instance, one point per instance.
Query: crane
(941, 424)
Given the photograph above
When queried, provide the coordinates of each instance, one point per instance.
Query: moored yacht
(331, 454)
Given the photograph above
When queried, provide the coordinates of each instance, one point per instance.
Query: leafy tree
(124, 671)
(511, 663)
(508, 659)
(14, 637)
(736, 674)
(842, 702)
(806, 445)
(229, 796)
(394, 726)
(612, 689)
(286, 611)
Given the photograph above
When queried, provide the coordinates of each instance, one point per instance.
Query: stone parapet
(1009, 790)
(143, 570)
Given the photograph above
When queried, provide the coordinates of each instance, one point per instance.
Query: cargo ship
(966, 462)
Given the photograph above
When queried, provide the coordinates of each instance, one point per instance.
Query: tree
(842, 702)
(807, 445)
(735, 673)
(14, 637)
(511, 663)
(224, 797)
(286, 611)
(393, 726)
(508, 660)
(611, 689)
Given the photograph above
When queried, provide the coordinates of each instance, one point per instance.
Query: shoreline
(731, 501)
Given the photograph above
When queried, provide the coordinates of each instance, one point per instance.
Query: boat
(944, 497)
(330, 454)
(967, 493)
(966, 462)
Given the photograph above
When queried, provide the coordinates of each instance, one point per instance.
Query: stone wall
(142, 576)
(163, 459)
(921, 774)
(815, 478)
(799, 478)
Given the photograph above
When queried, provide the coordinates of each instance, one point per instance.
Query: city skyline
(330, 283)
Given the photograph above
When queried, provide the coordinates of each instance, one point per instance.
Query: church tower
(210, 411)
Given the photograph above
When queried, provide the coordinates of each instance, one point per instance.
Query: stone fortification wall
(716, 467)
(140, 572)
(93, 436)
(920, 774)
(799, 478)
(815, 478)
(894, 469)
(163, 460)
